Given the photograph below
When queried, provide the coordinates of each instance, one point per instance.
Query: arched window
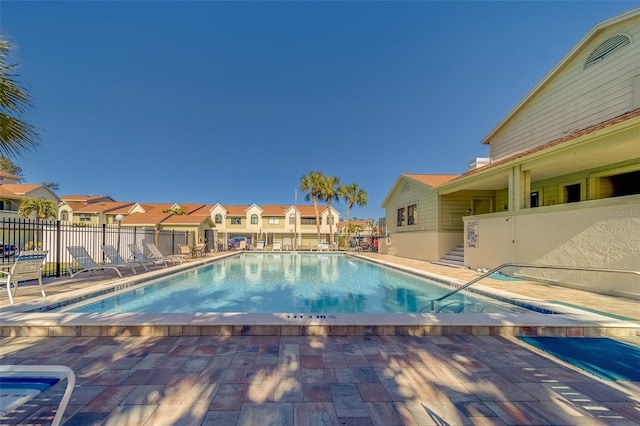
(218, 218)
(64, 216)
(292, 219)
(606, 48)
(254, 219)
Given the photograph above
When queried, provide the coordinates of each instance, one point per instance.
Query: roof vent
(607, 47)
(478, 162)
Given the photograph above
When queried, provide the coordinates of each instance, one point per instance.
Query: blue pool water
(290, 283)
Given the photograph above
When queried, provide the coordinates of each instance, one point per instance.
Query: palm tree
(43, 209)
(15, 135)
(353, 195)
(312, 184)
(329, 193)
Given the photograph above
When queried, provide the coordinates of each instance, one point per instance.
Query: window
(64, 216)
(401, 216)
(412, 213)
(308, 220)
(236, 221)
(218, 218)
(624, 184)
(292, 219)
(254, 219)
(1, 205)
(85, 217)
(572, 193)
(535, 199)
(274, 220)
(330, 220)
(605, 49)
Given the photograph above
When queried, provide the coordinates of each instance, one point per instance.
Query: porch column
(519, 189)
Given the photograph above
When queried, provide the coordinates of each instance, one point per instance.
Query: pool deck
(307, 379)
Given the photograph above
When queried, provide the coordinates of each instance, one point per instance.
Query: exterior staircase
(454, 258)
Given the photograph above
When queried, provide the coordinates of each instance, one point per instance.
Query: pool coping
(16, 321)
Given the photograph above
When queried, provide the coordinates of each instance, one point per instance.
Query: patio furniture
(260, 246)
(199, 249)
(27, 266)
(277, 246)
(139, 256)
(323, 246)
(157, 254)
(115, 258)
(80, 256)
(19, 384)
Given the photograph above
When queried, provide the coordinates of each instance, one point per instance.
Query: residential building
(12, 193)
(562, 186)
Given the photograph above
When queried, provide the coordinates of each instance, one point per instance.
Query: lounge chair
(157, 254)
(88, 264)
(323, 246)
(139, 256)
(277, 246)
(115, 258)
(242, 245)
(199, 249)
(260, 246)
(27, 266)
(19, 384)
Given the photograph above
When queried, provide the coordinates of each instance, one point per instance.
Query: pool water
(290, 283)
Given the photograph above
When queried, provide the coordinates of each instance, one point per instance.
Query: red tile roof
(431, 180)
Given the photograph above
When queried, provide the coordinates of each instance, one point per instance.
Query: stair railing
(524, 265)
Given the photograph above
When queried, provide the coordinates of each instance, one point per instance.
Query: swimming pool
(288, 282)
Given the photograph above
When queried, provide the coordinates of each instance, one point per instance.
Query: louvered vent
(606, 48)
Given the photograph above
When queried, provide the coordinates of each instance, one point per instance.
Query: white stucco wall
(599, 233)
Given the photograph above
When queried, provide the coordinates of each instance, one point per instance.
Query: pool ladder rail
(432, 303)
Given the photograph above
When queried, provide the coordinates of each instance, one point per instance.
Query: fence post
(58, 248)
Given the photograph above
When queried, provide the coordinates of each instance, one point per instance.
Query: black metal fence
(17, 235)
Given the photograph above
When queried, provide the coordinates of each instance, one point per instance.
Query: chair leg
(41, 287)
(9, 291)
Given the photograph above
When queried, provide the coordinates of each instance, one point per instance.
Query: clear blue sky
(232, 102)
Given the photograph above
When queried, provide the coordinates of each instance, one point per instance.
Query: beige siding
(407, 194)
(457, 205)
(576, 98)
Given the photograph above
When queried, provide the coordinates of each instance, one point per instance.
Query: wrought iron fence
(17, 235)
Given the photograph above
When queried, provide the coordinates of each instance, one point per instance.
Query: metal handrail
(525, 265)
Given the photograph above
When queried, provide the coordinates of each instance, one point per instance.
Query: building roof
(85, 198)
(104, 207)
(5, 174)
(20, 188)
(565, 139)
(275, 210)
(431, 180)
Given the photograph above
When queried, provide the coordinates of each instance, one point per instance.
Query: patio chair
(139, 256)
(115, 258)
(277, 246)
(199, 249)
(27, 266)
(242, 245)
(80, 256)
(185, 250)
(19, 384)
(260, 246)
(323, 246)
(157, 254)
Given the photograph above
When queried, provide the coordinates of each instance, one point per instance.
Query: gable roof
(431, 180)
(102, 207)
(85, 198)
(573, 53)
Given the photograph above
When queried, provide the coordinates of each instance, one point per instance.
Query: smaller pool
(289, 283)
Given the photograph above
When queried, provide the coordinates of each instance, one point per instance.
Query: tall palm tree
(15, 135)
(43, 209)
(312, 184)
(353, 195)
(329, 193)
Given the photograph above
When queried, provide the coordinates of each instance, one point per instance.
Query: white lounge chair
(277, 246)
(157, 254)
(139, 256)
(27, 266)
(260, 246)
(88, 264)
(19, 384)
(115, 259)
(323, 246)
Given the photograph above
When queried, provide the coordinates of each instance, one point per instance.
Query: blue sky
(233, 102)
